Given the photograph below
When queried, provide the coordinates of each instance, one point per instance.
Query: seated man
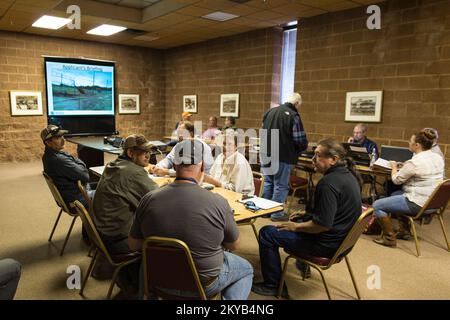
(185, 131)
(122, 185)
(185, 116)
(337, 206)
(200, 218)
(359, 136)
(64, 169)
(9, 278)
(212, 131)
(231, 169)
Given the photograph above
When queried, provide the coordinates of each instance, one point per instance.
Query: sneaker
(304, 269)
(263, 290)
(279, 216)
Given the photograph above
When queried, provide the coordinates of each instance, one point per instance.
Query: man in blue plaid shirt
(279, 157)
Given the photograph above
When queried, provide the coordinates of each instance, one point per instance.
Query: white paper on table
(383, 163)
(262, 203)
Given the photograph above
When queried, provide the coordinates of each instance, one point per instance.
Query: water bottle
(373, 158)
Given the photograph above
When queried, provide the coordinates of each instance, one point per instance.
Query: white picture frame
(190, 103)
(129, 104)
(229, 105)
(26, 103)
(363, 106)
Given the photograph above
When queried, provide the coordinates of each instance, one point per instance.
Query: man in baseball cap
(52, 131)
(64, 169)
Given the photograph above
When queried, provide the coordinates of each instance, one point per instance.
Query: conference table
(240, 212)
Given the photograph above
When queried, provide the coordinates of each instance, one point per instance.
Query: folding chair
(321, 264)
(168, 264)
(435, 205)
(296, 183)
(63, 207)
(117, 261)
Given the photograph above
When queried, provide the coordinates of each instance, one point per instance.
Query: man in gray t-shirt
(202, 219)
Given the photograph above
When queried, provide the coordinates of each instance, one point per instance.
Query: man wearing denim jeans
(278, 159)
(200, 218)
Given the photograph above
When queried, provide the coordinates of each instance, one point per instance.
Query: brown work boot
(388, 238)
(404, 231)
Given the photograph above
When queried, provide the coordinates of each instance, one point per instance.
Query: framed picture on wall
(229, 105)
(26, 103)
(190, 103)
(363, 106)
(129, 104)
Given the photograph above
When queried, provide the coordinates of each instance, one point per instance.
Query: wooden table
(240, 212)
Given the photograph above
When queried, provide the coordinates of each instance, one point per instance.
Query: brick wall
(138, 70)
(409, 59)
(248, 64)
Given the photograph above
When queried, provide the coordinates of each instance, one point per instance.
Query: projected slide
(79, 89)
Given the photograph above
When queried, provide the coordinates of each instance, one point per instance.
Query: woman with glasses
(320, 232)
(231, 169)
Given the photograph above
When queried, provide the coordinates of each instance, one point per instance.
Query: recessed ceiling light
(50, 22)
(106, 30)
(220, 16)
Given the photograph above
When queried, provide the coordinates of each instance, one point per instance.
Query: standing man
(359, 136)
(64, 169)
(202, 219)
(277, 160)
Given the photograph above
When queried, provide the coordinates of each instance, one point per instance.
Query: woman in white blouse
(420, 176)
(231, 169)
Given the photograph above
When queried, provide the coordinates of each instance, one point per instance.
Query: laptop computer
(392, 153)
(357, 152)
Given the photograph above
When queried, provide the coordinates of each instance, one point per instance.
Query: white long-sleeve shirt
(420, 176)
(234, 173)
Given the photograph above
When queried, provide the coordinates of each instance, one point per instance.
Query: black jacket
(65, 170)
(281, 118)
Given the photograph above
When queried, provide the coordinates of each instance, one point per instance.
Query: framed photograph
(26, 103)
(364, 106)
(129, 104)
(190, 103)
(229, 105)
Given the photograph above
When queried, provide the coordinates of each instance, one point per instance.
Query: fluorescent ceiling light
(50, 22)
(292, 23)
(106, 30)
(220, 16)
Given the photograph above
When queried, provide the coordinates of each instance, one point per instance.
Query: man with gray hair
(284, 154)
(359, 137)
(202, 219)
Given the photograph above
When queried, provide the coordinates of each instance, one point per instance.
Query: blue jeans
(396, 203)
(9, 278)
(234, 280)
(276, 187)
(271, 239)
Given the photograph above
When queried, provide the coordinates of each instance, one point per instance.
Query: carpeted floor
(28, 213)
